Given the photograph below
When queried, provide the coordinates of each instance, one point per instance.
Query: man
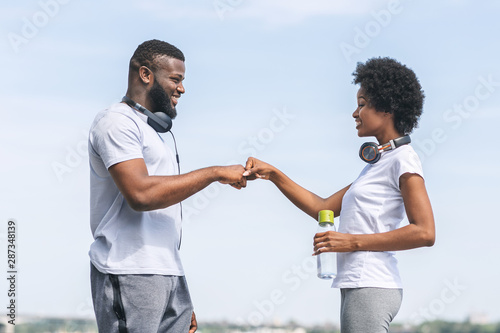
(137, 278)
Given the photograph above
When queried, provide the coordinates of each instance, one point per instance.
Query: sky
(270, 79)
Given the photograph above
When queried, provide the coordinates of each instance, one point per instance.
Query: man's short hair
(149, 51)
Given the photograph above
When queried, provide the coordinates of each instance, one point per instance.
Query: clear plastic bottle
(327, 261)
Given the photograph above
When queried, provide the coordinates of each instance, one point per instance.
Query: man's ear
(146, 75)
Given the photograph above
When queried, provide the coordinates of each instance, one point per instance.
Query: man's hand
(258, 169)
(232, 175)
(194, 324)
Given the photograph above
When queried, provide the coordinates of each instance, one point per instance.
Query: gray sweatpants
(140, 303)
(368, 310)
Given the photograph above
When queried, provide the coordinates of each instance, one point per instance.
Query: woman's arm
(305, 200)
(420, 232)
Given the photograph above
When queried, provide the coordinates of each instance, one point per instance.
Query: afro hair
(393, 88)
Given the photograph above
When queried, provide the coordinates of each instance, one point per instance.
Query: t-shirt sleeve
(408, 163)
(116, 138)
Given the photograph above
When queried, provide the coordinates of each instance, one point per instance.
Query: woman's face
(370, 122)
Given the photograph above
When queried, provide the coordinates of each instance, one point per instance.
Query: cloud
(176, 10)
(301, 10)
(488, 113)
(272, 12)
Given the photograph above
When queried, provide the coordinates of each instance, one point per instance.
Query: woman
(390, 101)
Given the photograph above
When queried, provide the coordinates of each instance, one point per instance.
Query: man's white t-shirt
(128, 241)
(373, 204)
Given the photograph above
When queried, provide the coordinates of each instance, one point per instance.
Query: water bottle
(327, 261)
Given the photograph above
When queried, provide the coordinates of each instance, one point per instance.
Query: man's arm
(194, 324)
(144, 192)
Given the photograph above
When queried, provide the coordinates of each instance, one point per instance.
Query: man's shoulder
(117, 115)
(116, 111)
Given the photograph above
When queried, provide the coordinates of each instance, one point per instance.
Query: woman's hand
(305, 200)
(258, 169)
(332, 241)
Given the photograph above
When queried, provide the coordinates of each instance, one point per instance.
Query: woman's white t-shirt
(373, 204)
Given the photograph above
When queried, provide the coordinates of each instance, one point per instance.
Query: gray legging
(368, 310)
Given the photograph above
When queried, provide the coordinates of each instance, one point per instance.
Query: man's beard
(161, 101)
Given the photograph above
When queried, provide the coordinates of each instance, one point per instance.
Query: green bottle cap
(325, 216)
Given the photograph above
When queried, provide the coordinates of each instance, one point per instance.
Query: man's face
(167, 85)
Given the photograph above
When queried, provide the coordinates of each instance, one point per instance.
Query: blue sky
(268, 78)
